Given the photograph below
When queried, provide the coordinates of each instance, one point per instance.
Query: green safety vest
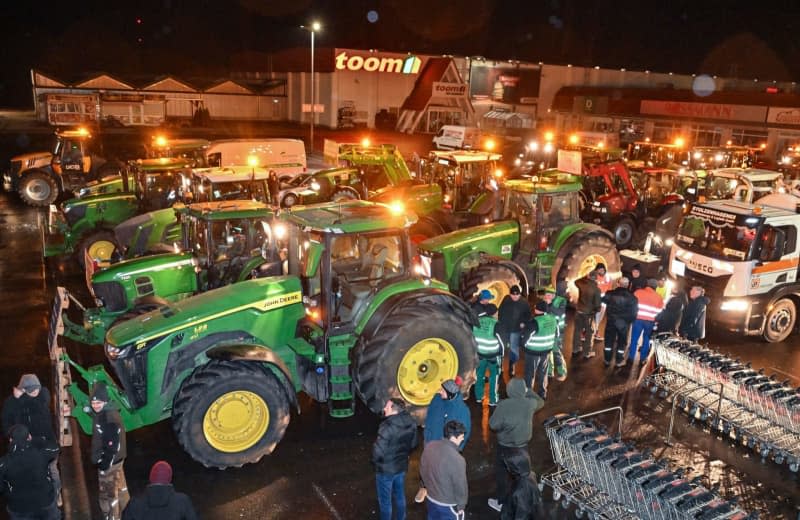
(488, 343)
(545, 338)
(559, 307)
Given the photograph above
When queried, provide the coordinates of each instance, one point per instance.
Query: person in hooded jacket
(512, 422)
(160, 500)
(108, 454)
(669, 318)
(622, 307)
(397, 438)
(25, 476)
(693, 323)
(523, 501)
(29, 405)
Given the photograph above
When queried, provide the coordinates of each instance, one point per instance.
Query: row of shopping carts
(608, 478)
(734, 399)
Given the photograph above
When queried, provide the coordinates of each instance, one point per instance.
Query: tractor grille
(132, 373)
(112, 294)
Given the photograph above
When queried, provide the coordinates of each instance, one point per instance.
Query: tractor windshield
(239, 190)
(558, 209)
(719, 234)
(220, 240)
(160, 189)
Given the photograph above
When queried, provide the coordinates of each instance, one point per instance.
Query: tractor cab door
(72, 160)
(159, 190)
(230, 247)
(522, 208)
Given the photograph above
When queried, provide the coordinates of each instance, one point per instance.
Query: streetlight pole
(313, 28)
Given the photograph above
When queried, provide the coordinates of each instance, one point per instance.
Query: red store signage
(704, 110)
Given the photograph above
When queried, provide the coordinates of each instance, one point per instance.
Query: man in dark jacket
(669, 318)
(693, 323)
(29, 404)
(637, 280)
(621, 309)
(397, 438)
(512, 422)
(108, 454)
(523, 500)
(513, 315)
(25, 476)
(483, 305)
(445, 473)
(587, 305)
(160, 500)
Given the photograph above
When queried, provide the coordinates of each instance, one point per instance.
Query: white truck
(746, 257)
(453, 137)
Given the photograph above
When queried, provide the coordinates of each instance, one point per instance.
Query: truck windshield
(719, 234)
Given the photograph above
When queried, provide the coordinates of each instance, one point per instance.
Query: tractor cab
(192, 150)
(659, 188)
(230, 183)
(72, 153)
(463, 175)
(346, 255)
(646, 154)
(740, 184)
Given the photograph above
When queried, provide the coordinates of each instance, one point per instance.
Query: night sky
(203, 38)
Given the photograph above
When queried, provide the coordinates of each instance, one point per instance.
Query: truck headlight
(734, 305)
(604, 210)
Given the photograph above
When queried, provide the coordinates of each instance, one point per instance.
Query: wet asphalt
(321, 469)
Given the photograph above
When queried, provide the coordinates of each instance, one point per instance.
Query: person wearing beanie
(637, 280)
(483, 304)
(25, 476)
(514, 313)
(29, 404)
(108, 453)
(446, 405)
(160, 500)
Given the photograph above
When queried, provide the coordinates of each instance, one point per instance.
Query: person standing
(637, 280)
(554, 302)
(444, 471)
(524, 498)
(108, 454)
(669, 318)
(649, 305)
(490, 354)
(604, 285)
(622, 308)
(29, 405)
(541, 341)
(515, 312)
(588, 304)
(274, 186)
(397, 438)
(512, 423)
(693, 323)
(446, 405)
(25, 476)
(160, 500)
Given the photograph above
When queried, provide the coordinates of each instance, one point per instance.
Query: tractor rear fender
(429, 295)
(259, 354)
(513, 266)
(572, 234)
(47, 170)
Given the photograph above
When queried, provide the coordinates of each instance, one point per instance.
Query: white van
(287, 157)
(451, 137)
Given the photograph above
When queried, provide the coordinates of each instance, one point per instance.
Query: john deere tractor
(350, 319)
(535, 238)
(85, 225)
(223, 242)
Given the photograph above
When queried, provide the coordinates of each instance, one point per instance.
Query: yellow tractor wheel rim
(498, 288)
(424, 368)
(236, 421)
(101, 250)
(590, 263)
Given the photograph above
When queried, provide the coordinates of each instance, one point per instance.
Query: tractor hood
(33, 157)
(501, 235)
(94, 200)
(146, 265)
(245, 299)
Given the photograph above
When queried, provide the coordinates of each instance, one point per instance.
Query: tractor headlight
(423, 268)
(734, 305)
(113, 353)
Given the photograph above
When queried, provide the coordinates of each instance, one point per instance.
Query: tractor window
(228, 239)
(563, 210)
(375, 177)
(367, 256)
(161, 189)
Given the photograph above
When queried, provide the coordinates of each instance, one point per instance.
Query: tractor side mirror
(312, 258)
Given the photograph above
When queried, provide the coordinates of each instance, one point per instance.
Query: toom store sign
(372, 63)
(442, 89)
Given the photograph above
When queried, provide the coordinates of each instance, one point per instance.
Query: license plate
(678, 268)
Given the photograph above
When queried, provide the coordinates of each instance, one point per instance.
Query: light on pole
(313, 28)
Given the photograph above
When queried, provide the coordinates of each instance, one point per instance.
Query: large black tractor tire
(498, 279)
(583, 256)
(38, 189)
(418, 346)
(781, 320)
(344, 195)
(230, 413)
(101, 245)
(624, 232)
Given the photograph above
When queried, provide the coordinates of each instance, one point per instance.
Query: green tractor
(350, 319)
(534, 238)
(223, 242)
(85, 225)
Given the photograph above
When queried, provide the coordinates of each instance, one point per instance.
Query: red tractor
(612, 201)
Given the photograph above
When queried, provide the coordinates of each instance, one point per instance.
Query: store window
(665, 131)
(748, 137)
(702, 135)
(437, 118)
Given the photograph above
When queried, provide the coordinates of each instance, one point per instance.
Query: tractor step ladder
(61, 373)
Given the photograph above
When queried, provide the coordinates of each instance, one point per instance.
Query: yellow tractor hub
(236, 421)
(101, 251)
(499, 290)
(424, 368)
(590, 263)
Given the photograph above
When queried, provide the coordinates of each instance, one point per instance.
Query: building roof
(433, 71)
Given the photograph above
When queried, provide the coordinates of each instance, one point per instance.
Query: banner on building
(721, 111)
(784, 116)
(505, 83)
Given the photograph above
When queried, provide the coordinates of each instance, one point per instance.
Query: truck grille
(714, 286)
(112, 294)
